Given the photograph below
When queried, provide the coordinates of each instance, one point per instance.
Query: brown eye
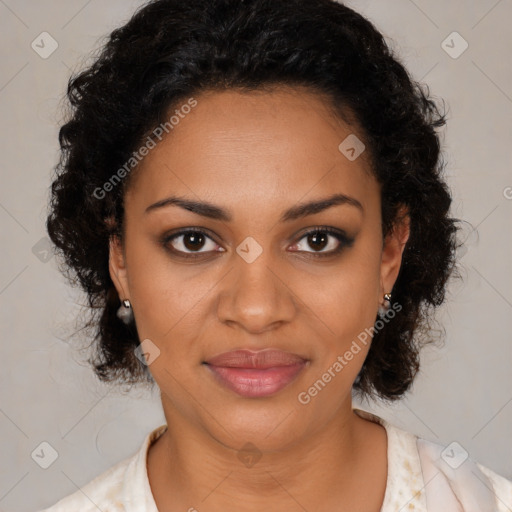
(193, 241)
(320, 239)
(189, 243)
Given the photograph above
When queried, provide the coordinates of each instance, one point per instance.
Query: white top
(422, 477)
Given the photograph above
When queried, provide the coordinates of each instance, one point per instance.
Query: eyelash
(343, 239)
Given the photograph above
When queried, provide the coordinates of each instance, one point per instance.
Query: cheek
(346, 301)
(345, 304)
(166, 297)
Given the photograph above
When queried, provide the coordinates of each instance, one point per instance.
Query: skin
(256, 155)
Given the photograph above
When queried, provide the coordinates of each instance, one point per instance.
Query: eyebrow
(212, 211)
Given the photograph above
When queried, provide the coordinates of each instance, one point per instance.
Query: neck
(188, 468)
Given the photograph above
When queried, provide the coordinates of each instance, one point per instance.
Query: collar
(136, 494)
(405, 488)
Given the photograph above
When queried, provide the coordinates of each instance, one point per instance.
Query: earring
(384, 309)
(125, 312)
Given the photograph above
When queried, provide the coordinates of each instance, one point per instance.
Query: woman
(251, 194)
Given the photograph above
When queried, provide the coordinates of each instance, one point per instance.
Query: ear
(392, 251)
(117, 268)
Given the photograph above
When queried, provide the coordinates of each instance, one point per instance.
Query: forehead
(243, 148)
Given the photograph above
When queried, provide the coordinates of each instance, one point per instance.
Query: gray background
(47, 392)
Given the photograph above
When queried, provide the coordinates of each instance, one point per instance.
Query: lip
(256, 374)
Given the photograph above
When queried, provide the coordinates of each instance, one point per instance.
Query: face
(243, 264)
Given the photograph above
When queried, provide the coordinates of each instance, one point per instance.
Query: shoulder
(431, 477)
(457, 477)
(103, 492)
(502, 488)
(122, 488)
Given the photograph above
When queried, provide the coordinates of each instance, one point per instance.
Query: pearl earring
(384, 309)
(125, 312)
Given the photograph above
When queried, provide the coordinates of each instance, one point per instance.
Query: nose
(256, 296)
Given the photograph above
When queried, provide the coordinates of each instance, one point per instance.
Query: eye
(321, 238)
(192, 243)
(192, 240)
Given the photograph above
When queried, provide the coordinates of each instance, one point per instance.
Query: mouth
(256, 374)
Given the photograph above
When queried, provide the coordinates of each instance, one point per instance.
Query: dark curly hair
(170, 50)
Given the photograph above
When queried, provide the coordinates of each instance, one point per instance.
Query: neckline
(136, 493)
(404, 482)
